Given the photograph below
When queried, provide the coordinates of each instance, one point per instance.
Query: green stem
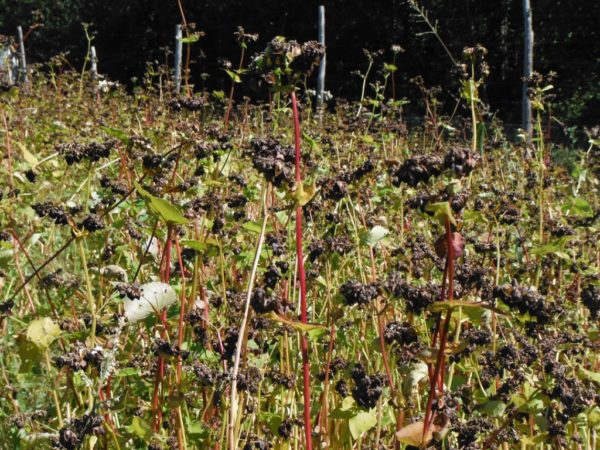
(88, 286)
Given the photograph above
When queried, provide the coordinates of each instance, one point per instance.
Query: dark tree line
(130, 33)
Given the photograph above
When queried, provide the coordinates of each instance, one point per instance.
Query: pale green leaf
(362, 422)
(168, 212)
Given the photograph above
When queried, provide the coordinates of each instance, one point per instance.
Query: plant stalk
(302, 278)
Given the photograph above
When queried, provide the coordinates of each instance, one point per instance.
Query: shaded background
(128, 33)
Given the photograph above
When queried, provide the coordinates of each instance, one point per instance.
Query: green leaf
(579, 207)
(233, 75)
(362, 422)
(254, 227)
(168, 212)
(447, 306)
(302, 193)
(346, 410)
(553, 247)
(200, 245)
(440, 212)
(373, 236)
(588, 374)
(493, 408)
(42, 332)
(116, 133)
(127, 372)
(27, 155)
(473, 216)
(139, 428)
(194, 37)
(34, 341)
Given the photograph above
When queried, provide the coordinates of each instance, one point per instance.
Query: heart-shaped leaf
(374, 235)
(362, 422)
(168, 212)
(440, 212)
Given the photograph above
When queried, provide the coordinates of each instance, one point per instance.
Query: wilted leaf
(155, 297)
(298, 326)
(413, 434)
(457, 242)
(418, 372)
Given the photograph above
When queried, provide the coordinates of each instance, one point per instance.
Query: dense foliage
(128, 34)
(452, 277)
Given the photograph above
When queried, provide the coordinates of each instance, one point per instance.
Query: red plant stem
(302, 277)
(443, 337)
(180, 330)
(160, 373)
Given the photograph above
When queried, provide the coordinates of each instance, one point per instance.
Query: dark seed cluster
(355, 293)
(417, 298)
(273, 160)
(72, 436)
(75, 152)
(367, 388)
(416, 170)
(526, 300)
(195, 103)
(54, 212)
(590, 297)
(400, 333)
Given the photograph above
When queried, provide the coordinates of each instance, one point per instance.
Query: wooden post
(23, 61)
(93, 63)
(178, 53)
(323, 63)
(527, 65)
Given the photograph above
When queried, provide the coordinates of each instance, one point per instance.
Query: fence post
(23, 61)
(323, 62)
(527, 66)
(93, 63)
(178, 53)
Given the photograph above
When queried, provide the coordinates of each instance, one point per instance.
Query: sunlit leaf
(298, 326)
(440, 212)
(447, 306)
(362, 422)
(168, 212)
(373, 236)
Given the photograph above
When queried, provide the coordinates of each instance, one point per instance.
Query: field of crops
(172, 280)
